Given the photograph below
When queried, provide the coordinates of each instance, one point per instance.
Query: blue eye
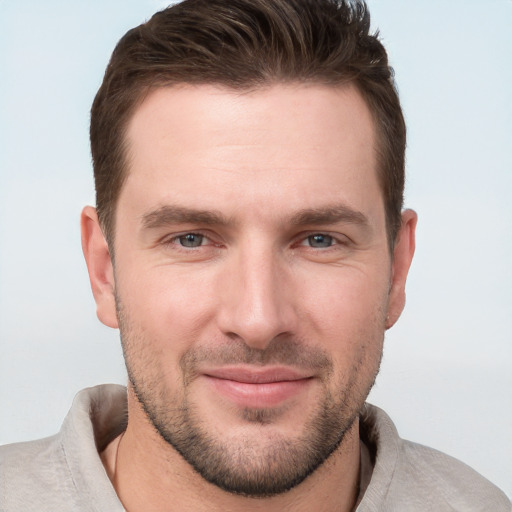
(320, 241)
(191, 240)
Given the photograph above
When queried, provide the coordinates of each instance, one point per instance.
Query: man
(250, 244)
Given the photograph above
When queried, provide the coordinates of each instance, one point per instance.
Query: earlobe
(99, 265)
(403, 253)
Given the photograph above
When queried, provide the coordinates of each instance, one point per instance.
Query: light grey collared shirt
(64, 472)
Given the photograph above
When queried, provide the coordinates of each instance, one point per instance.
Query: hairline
(144, 90)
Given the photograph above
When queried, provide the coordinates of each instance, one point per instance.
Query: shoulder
(33, 474)
(445, 481)
(64, 472)
(410, 476)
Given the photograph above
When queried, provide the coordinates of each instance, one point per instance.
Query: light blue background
(446, 378)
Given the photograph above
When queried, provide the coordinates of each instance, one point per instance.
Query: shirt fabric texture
(64, 473)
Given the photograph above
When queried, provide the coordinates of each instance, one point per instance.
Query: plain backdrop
(446, 377)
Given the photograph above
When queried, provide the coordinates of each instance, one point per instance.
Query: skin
(293, 274)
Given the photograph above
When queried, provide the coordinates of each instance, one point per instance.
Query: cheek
(346, 304)
(168, 306)
(347, 317)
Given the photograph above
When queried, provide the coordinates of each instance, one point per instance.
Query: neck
(148, 474)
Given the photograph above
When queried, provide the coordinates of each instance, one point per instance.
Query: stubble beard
(245, 465)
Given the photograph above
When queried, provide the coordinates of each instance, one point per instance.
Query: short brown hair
(245, 44)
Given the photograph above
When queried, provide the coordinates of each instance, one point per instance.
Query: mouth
(258, 388)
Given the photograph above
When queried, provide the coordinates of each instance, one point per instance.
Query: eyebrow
(329, 215)
(172, 214)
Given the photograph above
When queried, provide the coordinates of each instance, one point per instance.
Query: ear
(402, 258)
(99, 265)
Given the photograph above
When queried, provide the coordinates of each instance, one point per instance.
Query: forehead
(295, 143)
(325, 115)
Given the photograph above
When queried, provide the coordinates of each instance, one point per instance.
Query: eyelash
(322, 238)
(176, 239)
(302, 241)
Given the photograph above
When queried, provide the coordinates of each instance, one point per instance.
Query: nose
(256, 298)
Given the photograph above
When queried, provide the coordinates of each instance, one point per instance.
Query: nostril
(254, 301)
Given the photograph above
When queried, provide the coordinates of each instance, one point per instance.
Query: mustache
(285, 352)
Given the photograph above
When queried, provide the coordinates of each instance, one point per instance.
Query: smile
(257, 388)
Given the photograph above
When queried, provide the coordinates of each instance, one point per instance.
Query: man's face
(252, 275)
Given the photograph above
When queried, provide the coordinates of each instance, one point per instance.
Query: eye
(319, 241)
(191, 240)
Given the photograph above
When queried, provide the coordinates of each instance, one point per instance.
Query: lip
(258, 387)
